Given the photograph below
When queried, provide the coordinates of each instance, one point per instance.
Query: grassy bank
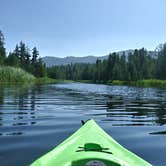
(117, 82)
(46, 80)
(14, 75)
(10, 75)
(151, 83)
(141, 83)
(85, 81)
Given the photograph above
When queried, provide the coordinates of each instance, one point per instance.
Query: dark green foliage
(12, 60)
(161, 63)
(39, 68)
(35, 54)
(2, 49)
(135, 66)
(22, 57)
(87, 72)
(28, 62)
(97, 71)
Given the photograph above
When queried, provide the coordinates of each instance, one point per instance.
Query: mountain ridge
(56, 61)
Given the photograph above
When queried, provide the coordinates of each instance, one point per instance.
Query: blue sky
(83, 27)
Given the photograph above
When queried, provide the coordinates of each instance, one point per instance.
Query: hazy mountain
(51, 61)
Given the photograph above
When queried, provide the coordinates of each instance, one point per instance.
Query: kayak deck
(90, 146)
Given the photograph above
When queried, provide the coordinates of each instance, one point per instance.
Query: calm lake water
(35, 119)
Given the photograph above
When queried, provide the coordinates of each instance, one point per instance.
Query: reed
(141, 83)
(152, 83)
(14, 75)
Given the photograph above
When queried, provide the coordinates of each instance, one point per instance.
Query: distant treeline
(138, 65)
(22, 57)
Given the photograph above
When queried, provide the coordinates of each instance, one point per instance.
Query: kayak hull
(90, 146)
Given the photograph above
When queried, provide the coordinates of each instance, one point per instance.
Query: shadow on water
(17, 106)
(136, 111)
(158, 133)
(33, 119)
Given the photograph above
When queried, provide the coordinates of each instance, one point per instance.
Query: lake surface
(34, 119)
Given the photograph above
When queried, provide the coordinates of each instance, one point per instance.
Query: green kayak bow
(90, 146)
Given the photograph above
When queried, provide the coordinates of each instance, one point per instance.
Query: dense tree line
(137, 65)
(71, 72)
(22, 57)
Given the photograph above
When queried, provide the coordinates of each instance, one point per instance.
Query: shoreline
(16, 75)
(155, 83)
(42, 80)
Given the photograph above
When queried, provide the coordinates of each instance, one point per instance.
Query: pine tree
(16, 51)
(22, 54)
(2, 49)
(12, 60)
(35, 54)
(161, 63)
(123, 68)
(97, 74)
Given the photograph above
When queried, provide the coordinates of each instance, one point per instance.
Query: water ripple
(43, 115)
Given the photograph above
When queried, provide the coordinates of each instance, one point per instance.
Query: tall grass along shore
(141, 83)
(14, 75)
(17, 75)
